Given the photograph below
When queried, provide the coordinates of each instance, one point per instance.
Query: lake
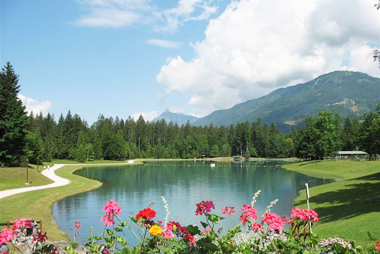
(183, 184)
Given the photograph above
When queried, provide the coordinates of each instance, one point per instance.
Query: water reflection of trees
(183, 184)
(164, 176)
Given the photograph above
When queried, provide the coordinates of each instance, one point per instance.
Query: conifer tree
(13, 119)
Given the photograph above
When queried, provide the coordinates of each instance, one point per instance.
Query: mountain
(348, 93)
(176, 118)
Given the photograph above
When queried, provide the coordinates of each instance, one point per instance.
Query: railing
(8, 224)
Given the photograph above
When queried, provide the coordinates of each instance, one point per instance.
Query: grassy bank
(12, 178)
(348, 208)
(58, 161)
(38, 204)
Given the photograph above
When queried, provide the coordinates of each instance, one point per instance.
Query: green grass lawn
(348, 208)
(38, 204)
(12, 178)
(57, 161)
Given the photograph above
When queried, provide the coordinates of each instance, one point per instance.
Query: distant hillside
(348, 93)
(176, 118)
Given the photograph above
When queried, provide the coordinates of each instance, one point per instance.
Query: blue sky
(126, 57)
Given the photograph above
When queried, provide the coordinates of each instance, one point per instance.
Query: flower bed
(255, 234)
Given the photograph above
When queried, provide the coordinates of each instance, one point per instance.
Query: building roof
(351, 153)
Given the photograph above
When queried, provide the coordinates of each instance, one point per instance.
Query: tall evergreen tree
(13, 119)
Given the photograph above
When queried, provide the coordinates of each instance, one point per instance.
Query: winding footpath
(58, 181)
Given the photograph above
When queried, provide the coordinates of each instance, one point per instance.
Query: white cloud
(108, 18)
(124, 13)
(361, 58)
(34, 105)
(185, 10)
(112, 13)
(256, 46)
(164, 43)
(148, 116)
(177, 110)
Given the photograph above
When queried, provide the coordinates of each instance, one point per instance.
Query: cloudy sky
(129, 57)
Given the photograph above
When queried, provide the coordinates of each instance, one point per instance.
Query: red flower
(181, 231)
(205, 207)
(146, 213)
(78, 225)
(377, 245)
(39, 237)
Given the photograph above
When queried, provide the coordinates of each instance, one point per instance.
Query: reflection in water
(183, 184)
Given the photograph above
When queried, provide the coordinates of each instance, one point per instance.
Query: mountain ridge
(351, 94)
(178, 118)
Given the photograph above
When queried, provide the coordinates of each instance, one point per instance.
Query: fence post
(308, 205)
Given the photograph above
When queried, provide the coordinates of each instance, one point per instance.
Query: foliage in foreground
(254, 234)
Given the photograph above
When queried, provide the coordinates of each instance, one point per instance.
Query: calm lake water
(183, 184)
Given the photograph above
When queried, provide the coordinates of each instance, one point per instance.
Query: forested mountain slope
(348, 93)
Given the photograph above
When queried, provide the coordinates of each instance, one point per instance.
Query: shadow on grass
(307, 163)
(360, 196)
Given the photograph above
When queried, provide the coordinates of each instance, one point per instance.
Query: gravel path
(49, 173)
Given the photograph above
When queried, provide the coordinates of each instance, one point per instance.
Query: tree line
(43, 138)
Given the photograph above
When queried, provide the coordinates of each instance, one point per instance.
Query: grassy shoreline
(38, 204)
(348, 208)
(13, 178)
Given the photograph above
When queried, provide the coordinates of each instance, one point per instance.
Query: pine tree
(13, 119)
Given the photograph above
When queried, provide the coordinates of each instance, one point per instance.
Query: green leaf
(204, 224)
(117, 229)
(110, 232)
(214, 218)
(211, 246)
(339, 248)
(123, 224)
(108, 240)
(193, 230)
(119, 239)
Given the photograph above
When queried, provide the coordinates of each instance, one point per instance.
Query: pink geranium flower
(22, 223)
(274, 221)
(111, 209)
(248, 212)
(78, 225)
(229, 210)
(181, 231)
(167, 233)
(204, 207)
(6, 235)
(206, 230)
(304, 214)
(256, 226)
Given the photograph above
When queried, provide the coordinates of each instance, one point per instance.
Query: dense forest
(42, 138)
(118, 139)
